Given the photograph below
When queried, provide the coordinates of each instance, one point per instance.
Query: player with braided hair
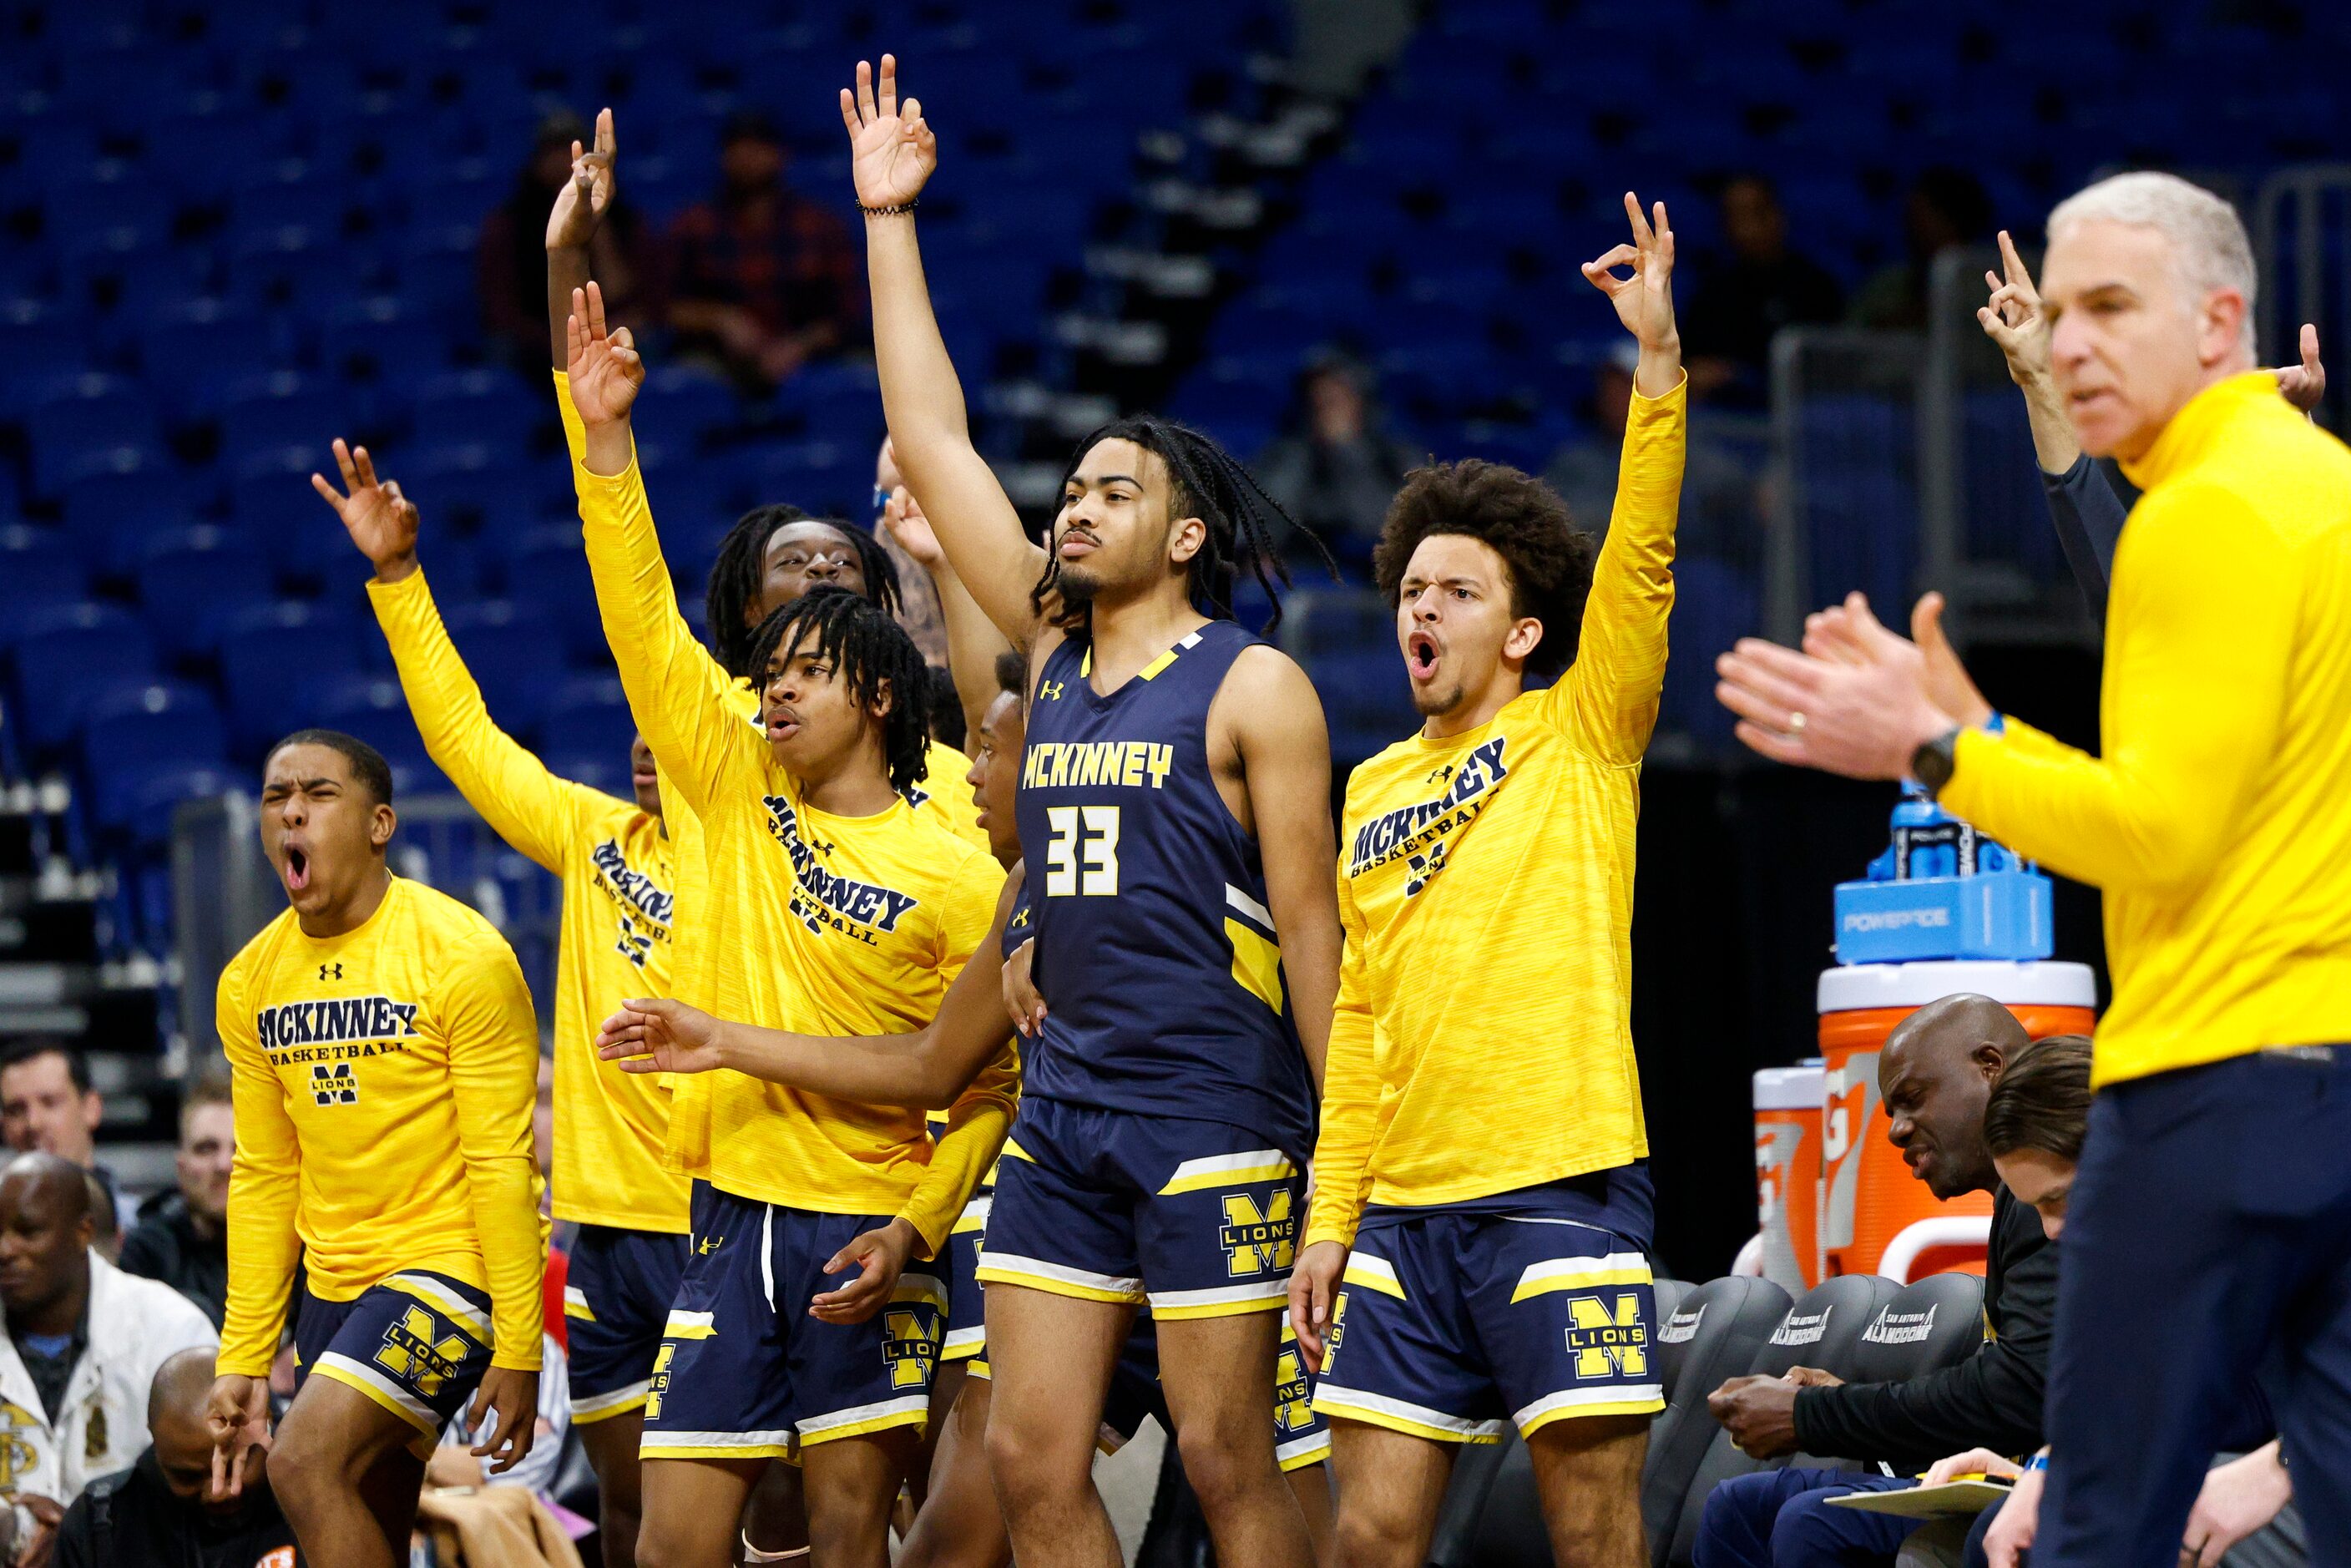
(774, 554)
(1174, 807)
(842, 910)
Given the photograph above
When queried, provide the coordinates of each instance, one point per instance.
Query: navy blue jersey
(1157, 959)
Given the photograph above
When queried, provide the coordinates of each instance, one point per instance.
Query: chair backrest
(1926, 1326)
(1822, 1329)
(1716, 1332)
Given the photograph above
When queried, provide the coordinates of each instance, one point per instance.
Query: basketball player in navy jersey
(1174, 804)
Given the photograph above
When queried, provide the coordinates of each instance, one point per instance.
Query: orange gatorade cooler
(1868, 1197)
(1788, 1173)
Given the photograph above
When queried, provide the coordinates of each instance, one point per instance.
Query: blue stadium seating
(269, 653)
(66, 655)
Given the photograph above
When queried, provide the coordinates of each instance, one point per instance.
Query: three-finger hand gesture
(891, 150)
(604, 367)
(580, 205)
(2013, 318)
(1645, 301)
(382, 521)
(660, 1036)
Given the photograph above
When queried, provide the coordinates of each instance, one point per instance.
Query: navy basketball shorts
(1450, 1322)
(416, 1342)
(1301, 1436)
(615, 1305)
(967, 1331)
(743, 1372)
(1196, 1219)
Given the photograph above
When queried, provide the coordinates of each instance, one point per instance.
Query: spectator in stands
(1721, 514)
(47, 1103)
(83, 1343)
(1745, 300)
(182, 1237)
(762, 280)
(1935, 1076)
(165, 1512)
(105, 1223)
(1335, 469)
(512, 260)
(1946, 207)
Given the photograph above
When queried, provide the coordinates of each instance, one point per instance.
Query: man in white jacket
(83, 1341)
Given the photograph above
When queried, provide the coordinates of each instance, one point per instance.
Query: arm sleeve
(1351, 1107)
(494, 1083)
(676, 690)
(2198, 649)
(2089, 519)
(263, 1188)
(524, 804)
(981, 1116)
(1609, 695)
(1993, 1399)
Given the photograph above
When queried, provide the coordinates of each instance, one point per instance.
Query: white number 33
(1082, 857)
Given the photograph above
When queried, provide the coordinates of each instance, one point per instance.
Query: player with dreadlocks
(845, 911)
(1174, 807)
(771, 557)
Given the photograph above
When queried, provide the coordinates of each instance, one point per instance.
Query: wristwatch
(1932, 763)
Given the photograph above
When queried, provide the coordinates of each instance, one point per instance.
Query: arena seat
(1822, 1329)
(1936, 1322)
(268, 654)
(192, 580)
(69, 654)
(511, 648)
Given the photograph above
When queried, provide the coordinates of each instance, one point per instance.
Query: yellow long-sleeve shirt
(1481, 1042)
(384, 1081)
(2214, 818)
(941, 792)
(619, 896)
(829, 926)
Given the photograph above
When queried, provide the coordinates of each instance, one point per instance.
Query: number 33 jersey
(1155, 954)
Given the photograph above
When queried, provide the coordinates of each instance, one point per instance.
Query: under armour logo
(1437, 774)
(337, 975)
(708, 1245)
(1050, 691)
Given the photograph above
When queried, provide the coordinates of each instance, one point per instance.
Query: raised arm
(919, 1070)
(525, 804)
(571, 227)
(1609, 695)
(666, 674)
(973, 642)
(892, 155)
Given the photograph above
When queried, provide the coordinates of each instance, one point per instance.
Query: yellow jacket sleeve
(674, 686)
(493, 1081)
(981, 1117)
(525, 804)
(1608, 698)
(264, 1188)
(574, 434)
(1352, 1121)
(2200, 643)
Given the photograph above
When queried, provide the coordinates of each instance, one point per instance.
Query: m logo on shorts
(1293, 1408)
(1258, 1240)
(659, 1384)
(333, 1085)
(1607, 1345)
(411, 1354)
(911, 1346)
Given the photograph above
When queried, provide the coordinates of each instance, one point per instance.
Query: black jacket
(132, 1520)
(1992, 1399)
(164, 1246)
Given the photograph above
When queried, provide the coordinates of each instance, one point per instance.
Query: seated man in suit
(1935, 1076)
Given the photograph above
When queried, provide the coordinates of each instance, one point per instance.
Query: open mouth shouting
(1420, 655)
(298, 867)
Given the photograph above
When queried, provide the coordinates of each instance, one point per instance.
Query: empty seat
(589, 723)
(267, 654)
(36, 568)
(136, 735)
(66, 656)
(548, 568)
(192, 580)
(1716, 1332)
(1822, 1330)
(511, 649)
